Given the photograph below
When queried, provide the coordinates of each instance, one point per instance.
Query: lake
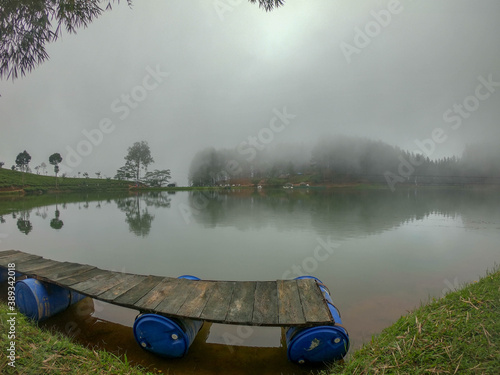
(380, 253)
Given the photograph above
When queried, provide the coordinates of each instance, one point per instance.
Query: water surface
(380, 253)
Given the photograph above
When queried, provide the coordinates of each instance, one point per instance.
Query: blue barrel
(39, 300)
(321, 343)
(166, 337)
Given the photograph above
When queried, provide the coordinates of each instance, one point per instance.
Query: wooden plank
(5, 253)
(99, 283)
(218, 303)
(281, 303)
(241, 306)
(75, 279)
(314, 306)
(265, 311)
(117, 279)
(137, 292)
(17, 258)
(200, 292)
(89, 283)
(73, 271)
(176, 297)
(156, 295)
(35, 264)
(290, 307)
(119, 289)
(54, 272)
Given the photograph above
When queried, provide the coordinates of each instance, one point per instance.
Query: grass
(42, 352)
(13, 181)
(458, 334)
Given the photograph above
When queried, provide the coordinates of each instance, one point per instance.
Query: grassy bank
(458, 334)
(12, 182)
(42, 352)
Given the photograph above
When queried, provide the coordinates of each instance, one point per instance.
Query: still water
(380, 253)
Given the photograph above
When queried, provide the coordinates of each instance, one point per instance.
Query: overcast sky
(387, 70)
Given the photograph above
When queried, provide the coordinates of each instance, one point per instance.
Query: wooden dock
(253, 303)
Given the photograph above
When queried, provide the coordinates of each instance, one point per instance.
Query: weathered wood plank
(265, 311)
(242, 303)
(72, 271)
(137, 292)
(310, 294)
(199, 294)
(35, 264)
(54, 272)
(156, 295)
(6, 253)
(17, 258)
(75, 279)
(269, 303)
(99, 283)
(176, 297)
(49, 269)
(290, 308)
(218, 302)
(122, 288)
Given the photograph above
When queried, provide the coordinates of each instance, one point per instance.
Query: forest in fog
(344, 159)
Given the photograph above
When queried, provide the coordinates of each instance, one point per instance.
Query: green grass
(458, 334)
(13, 180)
(42, 352)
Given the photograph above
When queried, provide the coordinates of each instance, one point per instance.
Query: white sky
(229, 69)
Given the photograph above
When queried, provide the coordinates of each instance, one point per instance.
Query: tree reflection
(23, 222)
(340, 213)
(56, 223)
(137, 215)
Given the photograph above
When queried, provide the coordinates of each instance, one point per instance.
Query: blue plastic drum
(318, 344)
(39, 300)
(166, 337)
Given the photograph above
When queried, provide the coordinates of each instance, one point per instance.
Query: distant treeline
(344, 160)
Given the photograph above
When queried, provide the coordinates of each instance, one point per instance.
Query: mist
(401, 75)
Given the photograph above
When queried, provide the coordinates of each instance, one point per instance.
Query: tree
(55, 159)
(139, 156)
(1, 164)
(126, 172)
(22, 161)
(157, 177)
(98, 174)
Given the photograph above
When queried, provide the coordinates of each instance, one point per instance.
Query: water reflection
(341, 214)
(56, 223)
(135, 207)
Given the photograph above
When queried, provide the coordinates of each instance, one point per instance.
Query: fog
(185, 76)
